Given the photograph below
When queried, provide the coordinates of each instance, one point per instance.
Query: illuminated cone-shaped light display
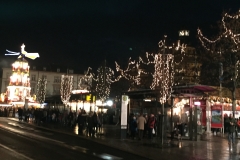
(19, 85)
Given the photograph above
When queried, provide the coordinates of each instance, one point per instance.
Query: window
(32, 89)
(70, 71)
(57, 79)
(8, 75)
(44, 76)
(56, 89)
(33, 77)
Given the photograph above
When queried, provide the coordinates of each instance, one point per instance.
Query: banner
(217, 116)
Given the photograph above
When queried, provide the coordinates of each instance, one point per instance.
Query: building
(53, 77)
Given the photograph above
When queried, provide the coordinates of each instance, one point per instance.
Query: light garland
(226, 33)
(85, 82)
(133, 66)
(226, 45)
(163, 75)
(66, 88)
(104, 79)
(41, 90)
(159, 62)
(230, 24)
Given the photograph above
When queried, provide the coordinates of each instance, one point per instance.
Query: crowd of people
(88, 124)
(143, 126)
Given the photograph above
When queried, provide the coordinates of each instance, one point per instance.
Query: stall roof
(195, 90)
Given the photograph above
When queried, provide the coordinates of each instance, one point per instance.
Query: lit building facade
(53, 79)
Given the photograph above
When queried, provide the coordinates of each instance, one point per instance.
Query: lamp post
(220, 89)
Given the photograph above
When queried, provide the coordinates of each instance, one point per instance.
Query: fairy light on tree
(41, 90)
(104, 79)
(138, 71)
(132, 73)
(226, 49)
(162, 70)
(85, 82)
(66, 88)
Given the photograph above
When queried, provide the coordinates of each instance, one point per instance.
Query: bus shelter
(187, 106)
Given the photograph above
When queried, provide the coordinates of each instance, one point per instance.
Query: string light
(85, 82)
(104, 78)
(19, 85)
(41, 90)
(226, 33)
(157, 61)
(66, 88)
(226, 45)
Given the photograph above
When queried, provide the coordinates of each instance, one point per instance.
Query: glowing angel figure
(23, 53)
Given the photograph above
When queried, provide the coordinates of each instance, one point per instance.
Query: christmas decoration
(19, 88)
(85, 82)
(104, 78)
(162, 66)
(41, 90)
(23, 53)
(66, 88)
(226, 49)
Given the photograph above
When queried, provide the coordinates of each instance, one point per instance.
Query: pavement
(214, 147)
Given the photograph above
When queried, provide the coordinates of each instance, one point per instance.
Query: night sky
(81, 33)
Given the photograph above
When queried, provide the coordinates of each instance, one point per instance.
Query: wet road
(21, 141)
(45, 142)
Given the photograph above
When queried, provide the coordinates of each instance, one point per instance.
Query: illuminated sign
(184, 33)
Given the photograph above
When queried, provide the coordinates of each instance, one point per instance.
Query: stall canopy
(186, 91)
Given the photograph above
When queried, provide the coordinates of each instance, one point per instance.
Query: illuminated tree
(132, 73)
(225, 49)
(104, 79)
(66, 88)
(158, 68)
(41, 90)
(85, 82)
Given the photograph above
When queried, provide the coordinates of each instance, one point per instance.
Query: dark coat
(231, 122)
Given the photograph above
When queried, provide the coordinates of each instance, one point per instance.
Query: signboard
(217, 116)
(124, 112)
(88, 97)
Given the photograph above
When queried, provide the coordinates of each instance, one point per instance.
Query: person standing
(133, 127)
(141, 121)
(151, 124)
(231, 129)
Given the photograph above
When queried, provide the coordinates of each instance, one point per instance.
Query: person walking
(141, 121)
(231, 129)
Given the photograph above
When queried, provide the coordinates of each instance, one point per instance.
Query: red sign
(217, 116)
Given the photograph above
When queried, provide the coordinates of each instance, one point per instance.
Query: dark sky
(82, 32)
